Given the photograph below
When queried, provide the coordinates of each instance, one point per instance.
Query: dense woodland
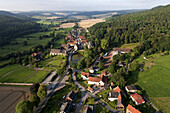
(12, 27)
(150, 28)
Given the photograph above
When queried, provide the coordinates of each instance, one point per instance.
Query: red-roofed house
(95, 81)
(85, 75)
(131, 109)
(71, 43)
(117, 96)
(90, 89)
(137, 99)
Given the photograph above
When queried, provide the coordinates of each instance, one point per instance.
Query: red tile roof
(117, 89)
(132, 109)
(137, 98)
(89, 88)
(85, 74)
(103, 72)
(71, 43)
(94, 79)
(82, 37)
(84, 41)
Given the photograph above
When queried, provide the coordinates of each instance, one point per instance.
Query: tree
(101, 65)
(134, 66)
(34, 88)
(104, 43)
(25, 43)
(81, 64)
(34, 99)
(42, 92)
(24, 107)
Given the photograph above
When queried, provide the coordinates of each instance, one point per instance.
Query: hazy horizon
(78, 5)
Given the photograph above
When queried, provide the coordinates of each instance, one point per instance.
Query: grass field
(38, 77)
(129, 46)
(155, 81)
(18, 75)
(58, 43)
(31, 42)
(89, 22)
(7, 69)
(58, 62)
(54, 103)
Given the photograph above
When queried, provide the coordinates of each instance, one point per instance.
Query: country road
(57, 86)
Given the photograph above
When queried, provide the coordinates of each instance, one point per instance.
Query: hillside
(12, 26)
(150, 30)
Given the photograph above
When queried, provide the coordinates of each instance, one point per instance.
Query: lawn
(162, 104)
(54, 103)
(38, 77)
(129, 46)
(58, 43)
(101, 109)
(155, 81)
(7, 69)
(18, 75)
(58, 62)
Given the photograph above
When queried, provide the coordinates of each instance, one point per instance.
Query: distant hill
(12, 26)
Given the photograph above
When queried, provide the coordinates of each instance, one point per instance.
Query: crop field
(47, 22)
(38, 77)
(67, 25)
(10, 96)
(7, 69)
(89, 22)
(17, 75)
(58, 43)
(155, 81)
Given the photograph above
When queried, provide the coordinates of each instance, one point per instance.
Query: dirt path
(7, 73)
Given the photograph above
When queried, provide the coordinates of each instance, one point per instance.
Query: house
(88, 109)
(116, 94)
(37, 56)
(71, 43)
(65, 108)
(90, 89)
(71, 96)
(76, 47)
(113, 96)
(103, 73)
(58, 52)
(131, 89)
(85, 75)
(120, 102)
(93, 69)
(96, 81)
(137, 99)
(131, 109)
(65, 46)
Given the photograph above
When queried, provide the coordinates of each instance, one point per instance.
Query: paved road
(58, 85)
(85, 95)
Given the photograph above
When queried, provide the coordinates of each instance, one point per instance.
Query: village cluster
(98, 82)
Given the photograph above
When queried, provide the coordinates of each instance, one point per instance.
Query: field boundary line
(7, 74)
(31, 75)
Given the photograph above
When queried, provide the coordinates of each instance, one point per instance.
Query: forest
(150, 28)
(11, 28)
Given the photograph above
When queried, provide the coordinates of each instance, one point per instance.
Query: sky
(78, 5)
